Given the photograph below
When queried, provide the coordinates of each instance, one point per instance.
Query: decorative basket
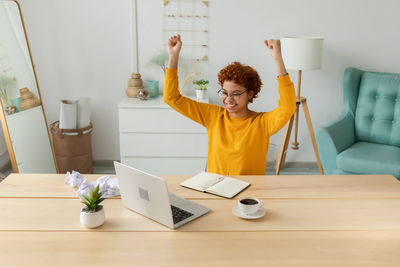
(73, 148)
(28, 100)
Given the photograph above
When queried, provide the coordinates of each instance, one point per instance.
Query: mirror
(22, 115)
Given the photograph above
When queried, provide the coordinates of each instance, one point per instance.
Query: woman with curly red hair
(238, 138)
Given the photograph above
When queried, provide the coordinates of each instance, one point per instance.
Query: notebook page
(229, 187)
(202, 181)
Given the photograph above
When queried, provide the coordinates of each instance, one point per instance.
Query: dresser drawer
(161, 166)
(156, 120)
(163, 145)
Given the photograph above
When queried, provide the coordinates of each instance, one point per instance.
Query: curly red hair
(243, 75)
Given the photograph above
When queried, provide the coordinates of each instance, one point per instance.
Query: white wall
(83, 48)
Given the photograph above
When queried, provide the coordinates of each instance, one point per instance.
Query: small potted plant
(201, 89)
(159, 59)
(5, 82)
(92, 215)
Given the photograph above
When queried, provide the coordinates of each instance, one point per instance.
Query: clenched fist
(274, 47)
(174, 45)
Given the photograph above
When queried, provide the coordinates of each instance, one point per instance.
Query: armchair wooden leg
(284, 146)
(310, 129)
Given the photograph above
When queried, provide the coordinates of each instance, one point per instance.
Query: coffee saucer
(258, 214)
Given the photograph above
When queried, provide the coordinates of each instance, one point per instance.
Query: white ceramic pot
(92, 219)
(201, 94)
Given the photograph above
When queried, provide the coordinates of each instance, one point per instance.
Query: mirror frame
(3, 119)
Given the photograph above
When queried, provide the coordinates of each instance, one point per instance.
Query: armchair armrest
(333, 139)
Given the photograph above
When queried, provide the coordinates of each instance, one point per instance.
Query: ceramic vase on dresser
(135, 84)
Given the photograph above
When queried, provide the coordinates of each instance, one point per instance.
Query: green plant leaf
(86, 197)
(90, 192)
(100, 200)
(96, 190)
(86, 203)
(160, 59)
(93, 199)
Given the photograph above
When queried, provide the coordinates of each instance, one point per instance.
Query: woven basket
(73, 148)
(29, 103)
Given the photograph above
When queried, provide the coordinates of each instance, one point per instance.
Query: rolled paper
(83, 112)
(68, 114)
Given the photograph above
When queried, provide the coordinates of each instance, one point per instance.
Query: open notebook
(215, 184)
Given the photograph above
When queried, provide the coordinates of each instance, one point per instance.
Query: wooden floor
(291, 168)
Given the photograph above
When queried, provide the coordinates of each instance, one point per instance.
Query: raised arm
(274, 47)
(174, 48)
(199, 112)
(277, 118)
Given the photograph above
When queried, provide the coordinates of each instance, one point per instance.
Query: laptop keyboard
(179, 214)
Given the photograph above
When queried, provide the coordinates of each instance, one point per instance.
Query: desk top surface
(310, 221)
(284, 186)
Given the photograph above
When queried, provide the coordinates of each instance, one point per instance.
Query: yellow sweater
(235, 146)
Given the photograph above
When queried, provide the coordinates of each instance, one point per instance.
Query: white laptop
(148, 195)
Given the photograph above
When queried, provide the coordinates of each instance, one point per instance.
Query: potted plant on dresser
(92, 215)
(201, 89)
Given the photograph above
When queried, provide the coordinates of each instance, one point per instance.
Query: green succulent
(93, 200)
(201, 84)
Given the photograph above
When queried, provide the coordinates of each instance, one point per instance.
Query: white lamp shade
(302, 53)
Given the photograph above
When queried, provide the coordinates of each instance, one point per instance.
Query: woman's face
(235, 98)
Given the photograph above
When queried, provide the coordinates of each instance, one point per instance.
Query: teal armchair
(365, 139)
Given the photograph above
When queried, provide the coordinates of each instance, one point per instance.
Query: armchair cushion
(377, 114)
(370, 158)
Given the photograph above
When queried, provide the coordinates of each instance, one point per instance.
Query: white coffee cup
(250, 205)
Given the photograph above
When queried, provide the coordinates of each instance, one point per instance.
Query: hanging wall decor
(189, 18)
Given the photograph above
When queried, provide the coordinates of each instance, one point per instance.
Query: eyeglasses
(235, 95)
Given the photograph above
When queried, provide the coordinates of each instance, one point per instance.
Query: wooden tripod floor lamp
(300, 53)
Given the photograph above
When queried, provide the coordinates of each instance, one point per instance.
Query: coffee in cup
(250, 205)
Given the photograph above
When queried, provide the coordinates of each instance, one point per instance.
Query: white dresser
(157, 139)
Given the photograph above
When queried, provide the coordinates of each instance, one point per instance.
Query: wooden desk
(310, 221)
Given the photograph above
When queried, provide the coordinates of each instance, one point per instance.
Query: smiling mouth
(230, 105)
